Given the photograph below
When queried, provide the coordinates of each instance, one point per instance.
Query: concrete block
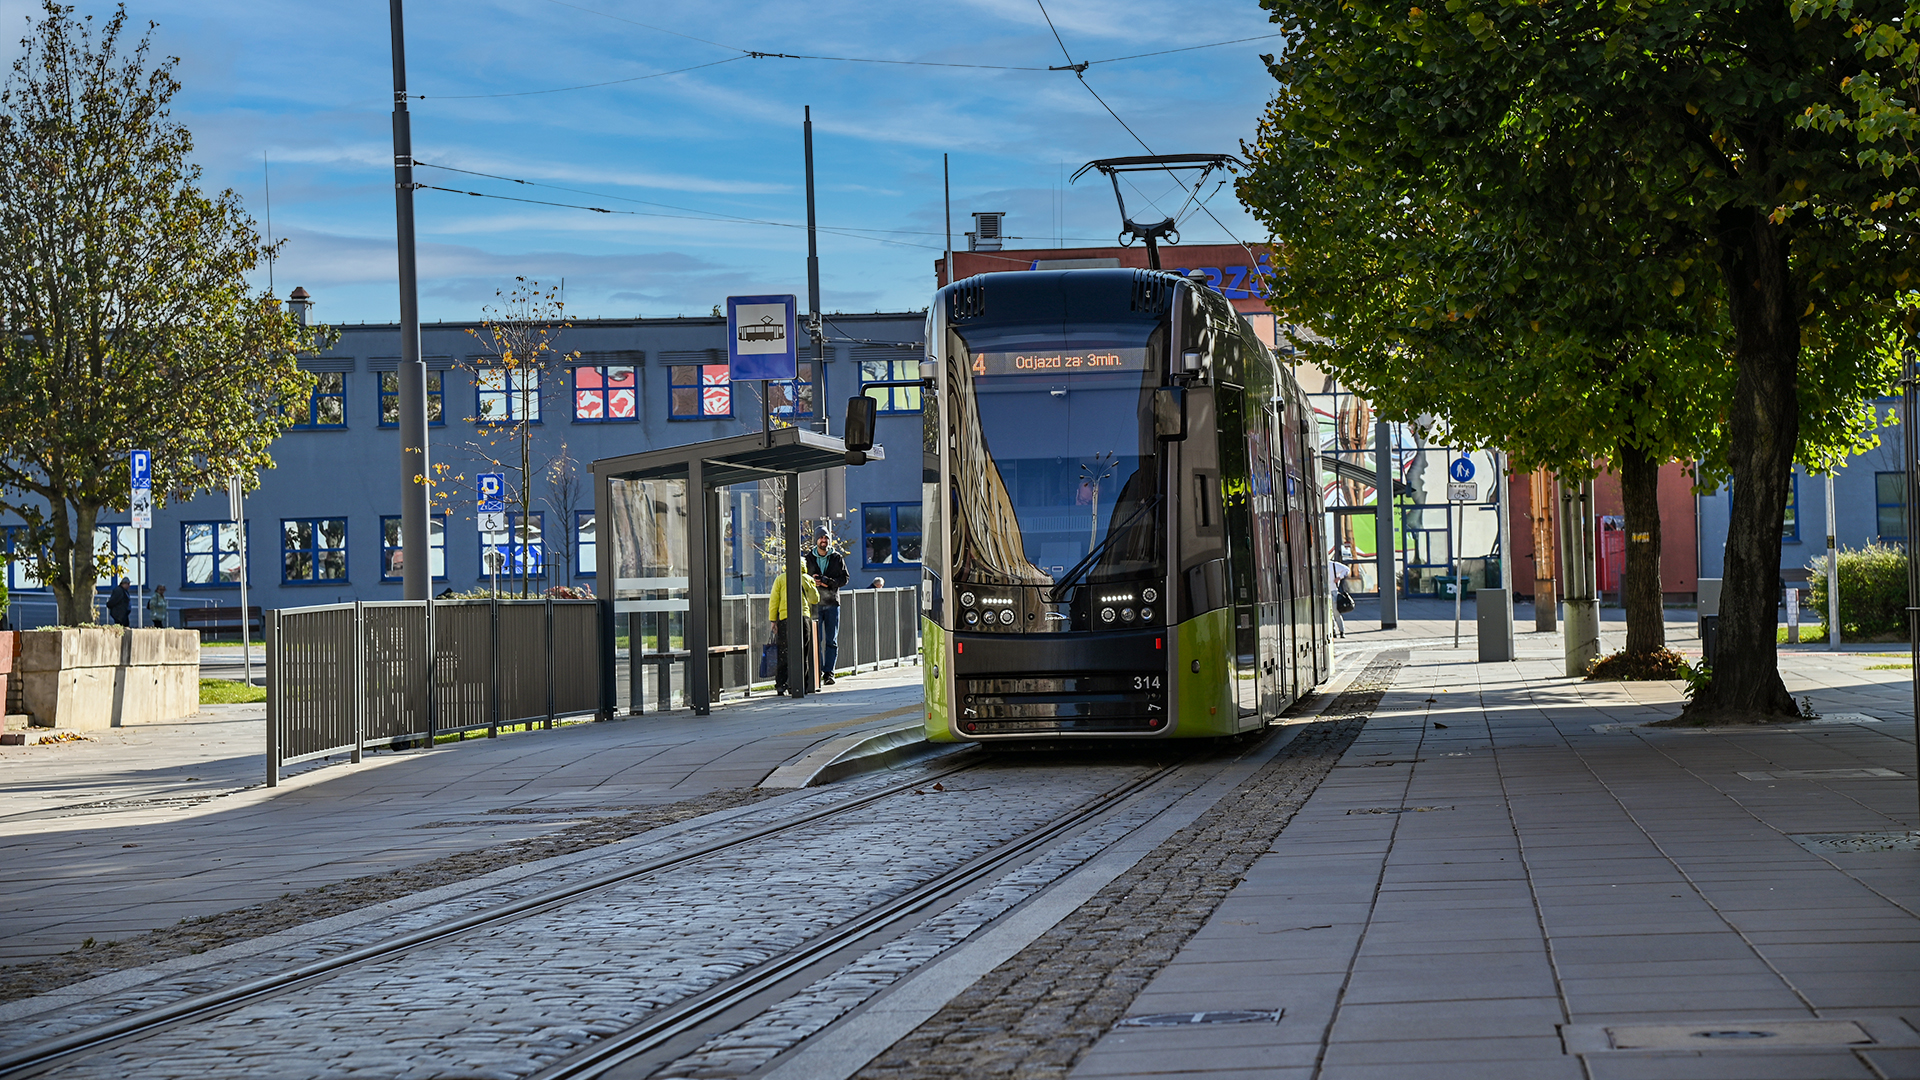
(92, 678)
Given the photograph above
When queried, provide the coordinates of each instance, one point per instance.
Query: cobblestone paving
(193, 936)
(505, 1001)
(1034, 1015)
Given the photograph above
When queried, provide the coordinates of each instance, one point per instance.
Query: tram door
(1268, 555)
(1237, 497)
(1280, 579)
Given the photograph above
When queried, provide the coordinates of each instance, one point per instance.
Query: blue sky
(310, 87)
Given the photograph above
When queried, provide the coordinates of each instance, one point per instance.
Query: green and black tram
(1122, 522)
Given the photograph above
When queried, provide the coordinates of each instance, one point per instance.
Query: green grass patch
(1810, 633)
(1889, 667)
(230, 692)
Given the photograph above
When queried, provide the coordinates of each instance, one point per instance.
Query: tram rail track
(665, 1024)
(38, 1058)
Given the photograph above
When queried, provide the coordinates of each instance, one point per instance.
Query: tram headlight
(1149, 594)
(1006, 616)
(1106, 614)
(972, 616)
(1146, 614)
(1126, 614)
(966, 599)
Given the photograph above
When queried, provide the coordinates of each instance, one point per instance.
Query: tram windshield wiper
(1081, 568)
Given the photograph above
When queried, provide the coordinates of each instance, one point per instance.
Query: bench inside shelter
(221, 620)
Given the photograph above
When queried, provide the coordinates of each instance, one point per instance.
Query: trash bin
(1709, 637)
(1447, 585)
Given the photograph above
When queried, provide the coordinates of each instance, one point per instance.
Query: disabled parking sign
(493, 502)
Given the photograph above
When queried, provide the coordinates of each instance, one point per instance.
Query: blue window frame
(1890, 505)
(121, 544)
(585, 543)
(1790, 526)
(390, 399)
(791, 398)
(393, 561)
(507, 395)
(606, 394)
(313, 551)
(699, 392)
(890, 534)
(327, 408)
(892, 399)
(515, 550)
(209, 555)
(19, 575)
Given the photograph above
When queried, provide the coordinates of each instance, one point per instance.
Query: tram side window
(1203, 500)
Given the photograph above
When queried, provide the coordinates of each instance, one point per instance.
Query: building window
(327, 408)
(507, 551)
(1890, 505)
(790, 398)
(390, 399)
(393, 561)
(892, 399)
(508, 395)
(699, 392)
(604, 393)
(212, 554)
(890, 533)
(583, 543)
(1790, 526)
(13, 542)
(121, 545)
(313, 551)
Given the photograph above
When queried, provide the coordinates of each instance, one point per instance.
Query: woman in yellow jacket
(777, 612)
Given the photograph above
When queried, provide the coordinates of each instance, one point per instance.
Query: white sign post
(140, 468)
(1462, 492)
(237, 511)
(493, 519)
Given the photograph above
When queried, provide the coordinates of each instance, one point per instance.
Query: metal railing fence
(877, 626)
(345, 677)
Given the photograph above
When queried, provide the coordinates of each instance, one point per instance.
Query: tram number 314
(1146, 682)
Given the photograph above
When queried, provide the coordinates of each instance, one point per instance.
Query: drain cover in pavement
(1397, 809)
(1739, 1035)
(1842, 843)
(1218, 1016)
(1823, 774)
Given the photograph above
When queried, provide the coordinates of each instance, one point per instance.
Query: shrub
(1624, 666)
(1873, 591)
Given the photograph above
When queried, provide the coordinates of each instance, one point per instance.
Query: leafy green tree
(125, 318)
(1669, 148)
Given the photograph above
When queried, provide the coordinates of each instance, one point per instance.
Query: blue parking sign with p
(141, 462)
(493, 493)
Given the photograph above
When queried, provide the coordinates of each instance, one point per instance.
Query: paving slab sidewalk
(1517, 892)
(141, 827)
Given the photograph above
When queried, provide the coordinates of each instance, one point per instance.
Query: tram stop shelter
(659, 538)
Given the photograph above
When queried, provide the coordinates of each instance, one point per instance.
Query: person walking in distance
(157, 607)
(777, 612)
(829, 572)
(119, 603)
(1337, 574)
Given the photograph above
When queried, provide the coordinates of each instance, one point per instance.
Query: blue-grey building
(1869, 507)
(323, 525)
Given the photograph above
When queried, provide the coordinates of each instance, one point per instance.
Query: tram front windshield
(1055, 458)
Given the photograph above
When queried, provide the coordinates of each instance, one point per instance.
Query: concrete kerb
(898, 743)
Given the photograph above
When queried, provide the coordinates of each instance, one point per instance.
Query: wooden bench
(216, 620)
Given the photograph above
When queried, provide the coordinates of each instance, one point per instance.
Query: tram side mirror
(1170, 413)
(858, 432)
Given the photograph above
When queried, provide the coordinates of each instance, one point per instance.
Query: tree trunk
(74, 576)
(1763, 428)
(1640, 590)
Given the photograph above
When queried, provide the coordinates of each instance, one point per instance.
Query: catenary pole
(1833, 572)
(1384, 536)
(814, 329)
(416, 568)
(946, 187)
(1908, 387)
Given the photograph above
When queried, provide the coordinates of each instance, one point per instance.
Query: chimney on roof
(300, 303)
(986, 231)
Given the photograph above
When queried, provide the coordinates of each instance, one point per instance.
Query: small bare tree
(565, 492)
(519, 328)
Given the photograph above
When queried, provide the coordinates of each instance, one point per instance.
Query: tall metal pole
(416, 567)
(946, 184)
(1833, 572)
(1384, 536)
(813, 294)
(1912, 439)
